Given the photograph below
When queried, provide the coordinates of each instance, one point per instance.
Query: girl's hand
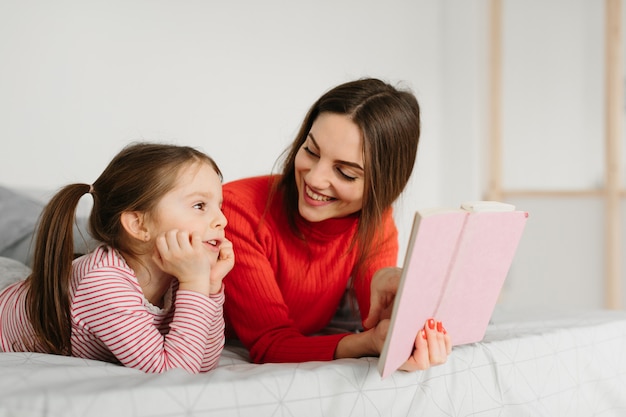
(184, 256)
(383, 291)
(225, 262)
(432, 347)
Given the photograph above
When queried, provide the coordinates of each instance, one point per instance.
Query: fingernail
(439, 327)
(423, 334)
(431, 324)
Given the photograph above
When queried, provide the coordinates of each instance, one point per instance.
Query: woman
(301, 236)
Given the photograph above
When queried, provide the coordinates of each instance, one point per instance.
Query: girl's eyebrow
(201, 194)
(341, 162)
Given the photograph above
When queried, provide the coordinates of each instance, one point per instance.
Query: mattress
(558, 364)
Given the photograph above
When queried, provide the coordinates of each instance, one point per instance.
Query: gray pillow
(11, 271)
(18, 217)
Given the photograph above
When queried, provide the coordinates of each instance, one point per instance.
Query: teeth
(212, 242)
(315, 196)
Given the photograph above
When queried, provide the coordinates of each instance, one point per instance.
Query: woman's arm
(256, 308)
(276, 294)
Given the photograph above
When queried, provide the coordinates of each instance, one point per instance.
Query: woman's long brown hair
(389, 120)
(135, 180)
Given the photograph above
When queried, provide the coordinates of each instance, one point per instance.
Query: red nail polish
(423, 334)
(431, 324)
(439, 327)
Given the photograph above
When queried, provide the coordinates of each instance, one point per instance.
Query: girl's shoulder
(103, 260)
(101, 273)
(103, 255)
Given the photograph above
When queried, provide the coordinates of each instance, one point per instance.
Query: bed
(547, 363)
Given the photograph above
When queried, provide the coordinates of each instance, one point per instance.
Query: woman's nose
(319, 176)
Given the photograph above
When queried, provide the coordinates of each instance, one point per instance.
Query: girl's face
(329, 169)
(194, 205)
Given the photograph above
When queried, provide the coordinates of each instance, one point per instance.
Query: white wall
(78, 80)
(553, 129)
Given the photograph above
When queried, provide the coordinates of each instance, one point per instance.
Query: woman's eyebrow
(339, 161)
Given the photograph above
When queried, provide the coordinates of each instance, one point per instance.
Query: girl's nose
(219, 220)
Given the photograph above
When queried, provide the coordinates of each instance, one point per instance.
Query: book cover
(456, 263)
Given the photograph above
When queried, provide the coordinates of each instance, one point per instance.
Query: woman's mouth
(315, 196)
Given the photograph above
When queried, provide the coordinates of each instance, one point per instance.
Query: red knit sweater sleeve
(256, 306)
(385, 254)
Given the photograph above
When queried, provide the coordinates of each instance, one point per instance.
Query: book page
(487, 246)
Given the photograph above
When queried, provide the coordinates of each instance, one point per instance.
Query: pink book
(454, 269)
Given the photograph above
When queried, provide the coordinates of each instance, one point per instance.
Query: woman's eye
(346, 176)
(310, 152)
(199, 206)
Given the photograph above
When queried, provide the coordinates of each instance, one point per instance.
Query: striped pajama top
(112, 321)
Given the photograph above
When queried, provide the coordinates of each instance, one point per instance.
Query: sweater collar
(328, 228)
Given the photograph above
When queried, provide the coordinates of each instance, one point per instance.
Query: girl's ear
(133, 223)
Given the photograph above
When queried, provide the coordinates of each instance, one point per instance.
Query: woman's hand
(432, 344)
(383, 291)
(432, 347)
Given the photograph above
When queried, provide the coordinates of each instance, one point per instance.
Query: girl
(328, 221)
(150, 296)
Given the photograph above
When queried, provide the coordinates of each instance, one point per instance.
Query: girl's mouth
(213, 244)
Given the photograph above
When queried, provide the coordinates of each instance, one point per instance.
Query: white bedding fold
(573, 365)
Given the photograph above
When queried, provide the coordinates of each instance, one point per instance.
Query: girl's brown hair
(389, 120)
(135, 180)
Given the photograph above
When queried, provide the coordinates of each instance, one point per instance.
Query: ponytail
(47, 300)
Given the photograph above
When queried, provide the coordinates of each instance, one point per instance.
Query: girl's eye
(310, 152)
(199, 206)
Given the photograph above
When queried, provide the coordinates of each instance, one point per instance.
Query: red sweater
(281, 290)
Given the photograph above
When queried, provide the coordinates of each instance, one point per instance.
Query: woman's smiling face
(329, 169)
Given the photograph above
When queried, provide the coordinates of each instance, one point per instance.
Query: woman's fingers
(432, 347)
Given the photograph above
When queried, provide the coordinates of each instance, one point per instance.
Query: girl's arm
(108, 305)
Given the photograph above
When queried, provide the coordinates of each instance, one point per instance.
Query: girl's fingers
(226, 250)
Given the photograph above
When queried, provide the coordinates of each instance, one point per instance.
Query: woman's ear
(133, 223)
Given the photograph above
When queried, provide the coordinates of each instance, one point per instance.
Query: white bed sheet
(573, 365)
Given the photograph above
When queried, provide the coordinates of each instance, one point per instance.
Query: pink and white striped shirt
(112, 321)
